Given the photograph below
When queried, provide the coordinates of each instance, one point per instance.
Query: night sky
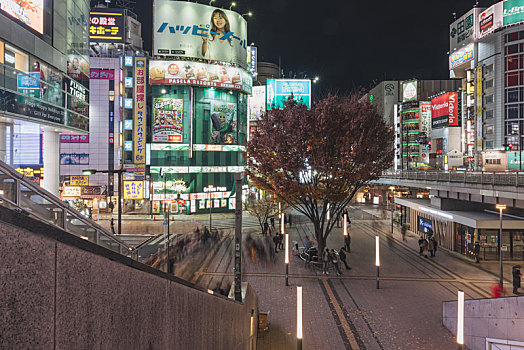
(349, 45)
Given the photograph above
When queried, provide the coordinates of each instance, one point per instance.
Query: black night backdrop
(348, 44)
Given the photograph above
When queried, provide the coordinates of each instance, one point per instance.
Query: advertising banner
(74, 138)
(444, 110)
(425, 118)
(223, 122)
(463, 30)
(168, 119)
(425, 225)
(74, 159)
(71, 191)
(133, 189)
(512, 12)
(256, 103)
(461, 56)
(199, 74)
(515, 160)
(106, 74)
(409, 91)
(280, 90)
(490, 20)
(28, 107)
(79, 180)
(30, 13)
(252, 61)
(478, 100)
(106, 26)
(139, 137)
(194, 30)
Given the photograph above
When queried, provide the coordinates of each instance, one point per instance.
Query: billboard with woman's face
(188, 29)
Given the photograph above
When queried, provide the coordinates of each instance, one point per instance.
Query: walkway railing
(25, 196)
(484, 178)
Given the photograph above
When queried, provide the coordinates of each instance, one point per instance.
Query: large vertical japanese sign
(478, 99)
(139, 137)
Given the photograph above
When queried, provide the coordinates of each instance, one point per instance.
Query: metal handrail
(68, 213)
(494, 178)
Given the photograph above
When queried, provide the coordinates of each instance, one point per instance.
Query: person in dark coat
(272, 220)
(476, 251)
(275, 240)
(516, 279)
(266, 228)
(342, 256)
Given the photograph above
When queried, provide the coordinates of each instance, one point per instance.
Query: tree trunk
(321, 242)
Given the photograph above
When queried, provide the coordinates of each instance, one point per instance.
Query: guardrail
(484, 178)
(27, 197)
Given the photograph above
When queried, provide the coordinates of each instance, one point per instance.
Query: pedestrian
(516, 279)
(307, 243)
(272, 220)
(347, 242)
(275, 240)
(342, 256)
(290, 219)
(403, 232)
(280, 241)
(476, 251)
(325, 262)
(113, 226)
(338, 220)
(425, 247)
(266, 228)
(435, 245)
(431, 247)
(421, 245)
(111, 206)
(334, 261)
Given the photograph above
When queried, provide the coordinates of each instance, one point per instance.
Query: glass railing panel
(7, 187)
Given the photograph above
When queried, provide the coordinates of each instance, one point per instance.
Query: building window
(489, 144)
(488, 99)
(488, 69)
(489, 130)
(488, 84)
(512, 95)
(488, 114)
(493, 161)
(512, 37)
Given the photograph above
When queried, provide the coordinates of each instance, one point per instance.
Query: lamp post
(299, 317)
(392, 188)
(286, 259)
(210, 205)
(500, 207)
(119, 172)
(460, 319)
(248, 14)
(377, 259)
(233, 4)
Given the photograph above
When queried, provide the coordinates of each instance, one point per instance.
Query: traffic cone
(154, 217)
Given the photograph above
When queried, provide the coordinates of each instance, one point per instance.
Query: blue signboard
(128, 145)
(280, 90)
(128, 82)
(128, 103)
(128, 124)
(425, 225)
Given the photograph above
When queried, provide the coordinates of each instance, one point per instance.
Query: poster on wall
(490, 20)
(74, 159)
(409, 91)
(194, 30)
(425, 118)
(168, 119)
(30, 13)
(133, 189)
(256, 103)
(199, 74)
(223, 122)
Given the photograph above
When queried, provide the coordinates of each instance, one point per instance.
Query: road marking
(340, 314)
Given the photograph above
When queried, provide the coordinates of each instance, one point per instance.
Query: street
(348, 312)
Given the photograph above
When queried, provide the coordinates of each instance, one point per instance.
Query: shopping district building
(470, 126)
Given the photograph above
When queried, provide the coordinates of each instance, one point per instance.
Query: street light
(248, 13)
(233, 4)
(286, 259)
(210, 206)
(212, 1)
(299, 317)
(392, 188)
(377, 259)
(460, 319)
(119, 172)
(500, 207)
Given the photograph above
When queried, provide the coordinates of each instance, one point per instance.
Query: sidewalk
(449, 258)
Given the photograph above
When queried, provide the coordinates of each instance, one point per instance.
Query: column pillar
(51, 161)
(3, 142)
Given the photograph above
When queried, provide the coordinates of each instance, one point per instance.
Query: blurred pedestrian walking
(325, 262)
(334, 261)
(516, 279)
(343, 258)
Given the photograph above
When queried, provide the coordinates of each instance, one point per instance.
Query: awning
(475, 219)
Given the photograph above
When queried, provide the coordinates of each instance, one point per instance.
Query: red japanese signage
(106, 74)
(74, 138)
(444, 110)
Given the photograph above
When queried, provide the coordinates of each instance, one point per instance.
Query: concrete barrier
(496, 320)
(58, 291)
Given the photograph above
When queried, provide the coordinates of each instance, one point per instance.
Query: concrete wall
(59, 291)
(498, 318)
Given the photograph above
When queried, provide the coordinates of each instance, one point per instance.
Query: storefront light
(435, 212)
